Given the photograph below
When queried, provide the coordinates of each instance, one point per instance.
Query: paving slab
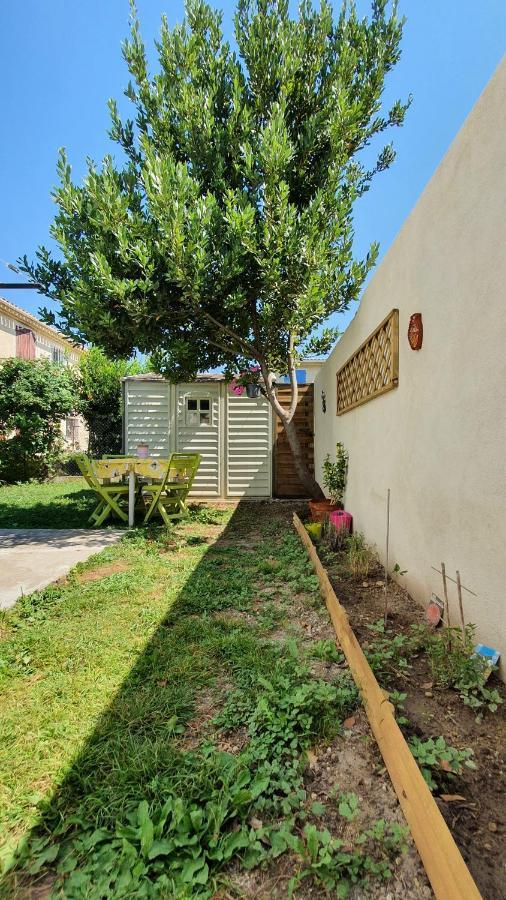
(31, 558)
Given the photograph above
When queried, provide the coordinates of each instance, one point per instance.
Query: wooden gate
(286, 482)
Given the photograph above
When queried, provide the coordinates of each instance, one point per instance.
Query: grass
(117, 689)
(53, 505)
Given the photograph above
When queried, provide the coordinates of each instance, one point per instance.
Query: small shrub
(335, 474)
(455, 665)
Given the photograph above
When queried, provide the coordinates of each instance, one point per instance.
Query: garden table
(165, 484)
(135, 466)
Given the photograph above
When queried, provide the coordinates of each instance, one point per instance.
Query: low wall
(438, 440)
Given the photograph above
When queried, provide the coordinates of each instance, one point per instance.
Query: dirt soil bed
(478, 822)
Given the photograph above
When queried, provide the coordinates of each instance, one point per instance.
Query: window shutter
(25, 343)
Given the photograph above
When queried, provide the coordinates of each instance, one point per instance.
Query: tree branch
(250, 349)
(292, 373)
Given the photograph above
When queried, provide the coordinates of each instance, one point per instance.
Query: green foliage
(454, 664)
(141, 811)
(35, 395)
(388, 655)
(101, 397)
(180, 841)
(360, 556)
(335, 474)
(326, 650)
(336, 867)
(438, 761)
(225, 235)
(398, 698)
(348, 806)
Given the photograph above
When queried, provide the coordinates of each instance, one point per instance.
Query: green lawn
(156, 712)
(53, 505)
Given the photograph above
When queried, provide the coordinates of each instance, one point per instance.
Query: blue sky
(61, 61)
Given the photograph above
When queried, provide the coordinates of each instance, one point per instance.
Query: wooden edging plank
(446, 870)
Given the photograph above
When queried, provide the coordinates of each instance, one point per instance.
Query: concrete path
(31, 558)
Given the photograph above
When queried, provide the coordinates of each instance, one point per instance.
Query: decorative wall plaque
(415, 331)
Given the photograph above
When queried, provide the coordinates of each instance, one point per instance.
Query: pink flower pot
(341, 519)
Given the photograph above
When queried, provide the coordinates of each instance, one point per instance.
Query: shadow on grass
(136, 752)
(45, 506)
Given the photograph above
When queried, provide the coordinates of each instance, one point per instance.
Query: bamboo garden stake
(385, 617)
(461, 608)
(447, 605)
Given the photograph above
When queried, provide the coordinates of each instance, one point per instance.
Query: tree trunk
(305, 477)
(286, 415)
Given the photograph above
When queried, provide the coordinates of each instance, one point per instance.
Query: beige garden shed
(233, 434)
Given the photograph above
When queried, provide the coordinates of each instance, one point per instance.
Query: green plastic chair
(167, 496)
(110, 494)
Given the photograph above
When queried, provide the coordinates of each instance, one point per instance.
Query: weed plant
(438, 761)
(454, 664)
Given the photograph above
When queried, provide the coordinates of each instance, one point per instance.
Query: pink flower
(236, 388)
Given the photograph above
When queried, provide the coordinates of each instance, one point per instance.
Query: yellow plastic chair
(110, 494)
(168, 495)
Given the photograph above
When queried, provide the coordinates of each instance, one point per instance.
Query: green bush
(35, 395)
(101, 402)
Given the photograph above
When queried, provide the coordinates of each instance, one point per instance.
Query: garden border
(446, 870)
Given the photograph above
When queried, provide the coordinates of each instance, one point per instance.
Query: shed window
(198, 411)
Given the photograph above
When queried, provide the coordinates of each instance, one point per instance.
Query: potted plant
(248, 380)
(334, 481)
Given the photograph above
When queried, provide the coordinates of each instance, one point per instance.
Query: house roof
(26, 318)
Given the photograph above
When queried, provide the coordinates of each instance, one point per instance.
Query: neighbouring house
(429, 424)
(243, 446)
(24, 336)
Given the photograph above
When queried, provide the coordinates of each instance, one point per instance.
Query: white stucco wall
(438, 441)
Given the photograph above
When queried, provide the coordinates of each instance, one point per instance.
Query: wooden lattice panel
(373, 369)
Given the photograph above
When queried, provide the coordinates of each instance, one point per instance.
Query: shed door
(198, 431)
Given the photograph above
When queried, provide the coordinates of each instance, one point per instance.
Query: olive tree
(222, 234)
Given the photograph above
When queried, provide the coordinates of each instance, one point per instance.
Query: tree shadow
(65, 510)
(135, 751)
